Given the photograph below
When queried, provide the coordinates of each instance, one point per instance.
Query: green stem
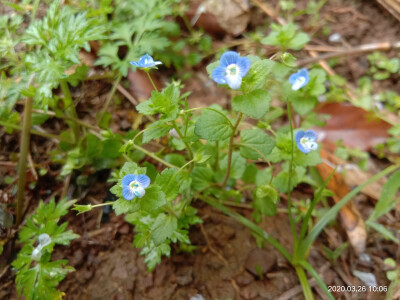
(208, 108)
(230, 149)
(317, 278)
(70, 110)
(151, 80)
(216, 156)
(35, 132)
(316, 199)
(23, 153)
(291, 220)
(155, 157)
(23, 156)
(304, 283)
(110, 96)
(188, 147)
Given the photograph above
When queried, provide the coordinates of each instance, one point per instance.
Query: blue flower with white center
(306, 140)
(232, 68)
(146, 61)
(299, 79)
(134, 186)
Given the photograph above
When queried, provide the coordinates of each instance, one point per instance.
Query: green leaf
(254, 104)
(257, 139)
(169, 182)
(201, 177)
(310, 159)
(382, 230)
(265, 200)
(281, 181)
(257, 75)
(165, 102)
(82, 208)
(238, 165)
(153, 199)
(387, 199)
(302, 104)
(122, 206)
(213, 126)
(163, 228)
(156, 130)
(111, 148)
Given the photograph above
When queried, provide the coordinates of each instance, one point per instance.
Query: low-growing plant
(223, 161)
(37, 275)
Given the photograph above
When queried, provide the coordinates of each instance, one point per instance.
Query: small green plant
(38, 275)
(286, 37)
(382, 67)
(394, 276)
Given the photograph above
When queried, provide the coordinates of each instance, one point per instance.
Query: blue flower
(306, 140)
(134, 186)
(299, 79)
(146, 61)
(232, 68)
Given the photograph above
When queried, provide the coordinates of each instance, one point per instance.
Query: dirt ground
(227, 263)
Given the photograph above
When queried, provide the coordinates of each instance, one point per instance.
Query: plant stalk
(23, 153)
(70, 110)
(308, 295)
(228, 168)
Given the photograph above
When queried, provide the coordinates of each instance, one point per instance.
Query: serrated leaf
(201, 177)
(156, 130)
(163, 228)
(257, 139)
(254, 104)
(213, 126)
(153, 199)
(257, 75)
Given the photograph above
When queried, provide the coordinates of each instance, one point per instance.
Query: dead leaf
(232, 16)
(140, 85)
(351, 219)
(353, 125)
(353, 175)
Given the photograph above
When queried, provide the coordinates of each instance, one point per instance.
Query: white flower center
(308, 143)
(232, 70)
(298, 83)
(133, 185)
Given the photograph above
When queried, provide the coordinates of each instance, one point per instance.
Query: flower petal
(244, 66)
(143, 180)
(302, 148)
(234, 82)
(228, 58)
(311, 135)
(128, 179)
(134, 63)
(218, 75)
(299, 135)
(128, 193)
(293, 78)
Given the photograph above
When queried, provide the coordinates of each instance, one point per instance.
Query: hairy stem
(23, 154)
(230, 149)
(291, 220)
(151, 80)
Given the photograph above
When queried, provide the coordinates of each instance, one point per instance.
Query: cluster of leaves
(158, 219)
(38, 279)
(286, 37)
(140, 27)
(164, 214)
(382, 67)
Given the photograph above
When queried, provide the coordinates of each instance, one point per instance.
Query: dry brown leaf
(232, 16)
(353, 125)
(140, 85)
(353, 176)
(351, 219)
